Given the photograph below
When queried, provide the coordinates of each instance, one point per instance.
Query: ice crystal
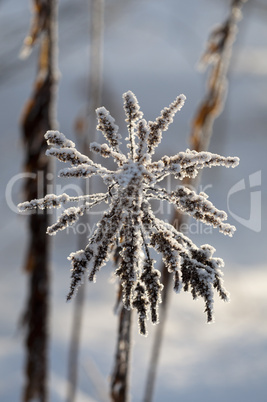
(129, 222)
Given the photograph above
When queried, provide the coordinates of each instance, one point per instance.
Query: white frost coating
(106, 124)
(57, 138)
(162, 122)
(129, 221)
(68, 155)
(84, 170)
(78, 255)
(49, 201)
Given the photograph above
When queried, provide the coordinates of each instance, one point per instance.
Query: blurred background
(152, 48)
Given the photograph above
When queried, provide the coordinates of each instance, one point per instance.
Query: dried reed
(37, 117)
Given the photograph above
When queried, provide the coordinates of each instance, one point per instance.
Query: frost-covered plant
(129, 222)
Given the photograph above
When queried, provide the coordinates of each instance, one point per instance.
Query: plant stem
(120, 374)
(38, 117)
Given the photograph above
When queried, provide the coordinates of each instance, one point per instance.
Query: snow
(152, 48)
(56, 138)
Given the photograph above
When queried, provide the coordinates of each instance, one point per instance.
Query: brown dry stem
(37, 118)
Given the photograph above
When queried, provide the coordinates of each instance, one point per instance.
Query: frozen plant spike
(129, 220)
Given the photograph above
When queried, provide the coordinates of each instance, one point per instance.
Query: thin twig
(218, 55)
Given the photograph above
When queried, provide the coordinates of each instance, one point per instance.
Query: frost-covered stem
(145, 245)
(96, 12)
(120, 374)
(133, 115)
(211, 107)
(119, 383)
(38, 117)
(131, 136)
(130, 223)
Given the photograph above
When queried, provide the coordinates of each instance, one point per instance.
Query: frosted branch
(162, 122)
(129, 221)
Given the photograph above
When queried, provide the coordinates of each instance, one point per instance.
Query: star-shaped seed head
(129, 222)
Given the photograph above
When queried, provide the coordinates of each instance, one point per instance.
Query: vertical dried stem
(38, 117)
(119, 384)
(87, 123)
(218, 55)
(120, 374)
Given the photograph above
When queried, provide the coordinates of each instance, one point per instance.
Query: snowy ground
(152, 48)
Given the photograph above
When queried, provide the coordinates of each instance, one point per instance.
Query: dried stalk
(86, 126)
(119, 382)
(218, 55)
(38, 117)
(120, 374)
